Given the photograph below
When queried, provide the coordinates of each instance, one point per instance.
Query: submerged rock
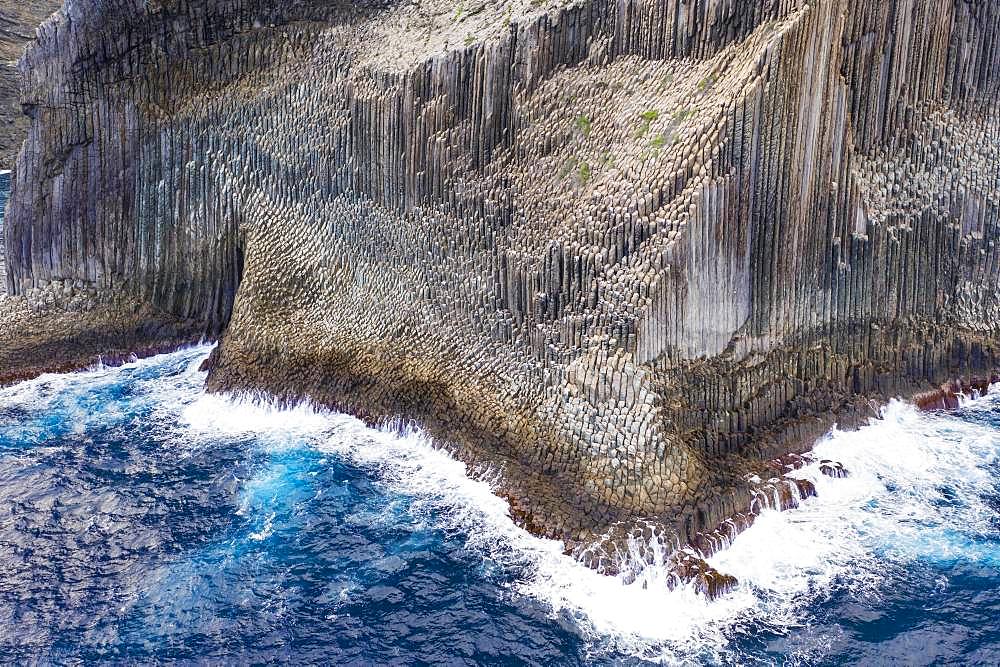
(620, 252)
(706, 579)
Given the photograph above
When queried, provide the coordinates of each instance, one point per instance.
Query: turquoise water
(142, 520)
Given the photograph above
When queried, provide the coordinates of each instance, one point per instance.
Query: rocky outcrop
(59, 329)
(18, 21)
(17, 27)
(623, 252)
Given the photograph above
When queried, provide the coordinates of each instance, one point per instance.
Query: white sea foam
(87, 398)
(629, 617)
(444, 494)
(217, 415)
(915, 492)
(443, 490)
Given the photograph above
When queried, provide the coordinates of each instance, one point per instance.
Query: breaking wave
(921, 498)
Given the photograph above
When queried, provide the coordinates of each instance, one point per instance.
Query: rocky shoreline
(58, 330)
(623, 253)
(97, 331)
(18, 21)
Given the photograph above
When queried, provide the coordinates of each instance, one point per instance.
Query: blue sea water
(4, 192)
(142, 520)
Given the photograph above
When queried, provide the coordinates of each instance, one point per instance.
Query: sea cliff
(621, 254)
(18, 21)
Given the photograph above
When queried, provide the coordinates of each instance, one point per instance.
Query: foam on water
(616, 616)
(35, 411)
(918, 489)
(915, 492)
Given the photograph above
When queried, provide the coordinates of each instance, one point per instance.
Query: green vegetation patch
(647, 119)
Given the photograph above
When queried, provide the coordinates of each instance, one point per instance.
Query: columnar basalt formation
(18, 21)
(623, 252)
(17, 27)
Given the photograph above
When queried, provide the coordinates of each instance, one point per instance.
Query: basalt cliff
(619, 254)
(18, 21)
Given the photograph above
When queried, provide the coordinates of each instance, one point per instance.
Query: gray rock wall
(18, 21)
(621, 251)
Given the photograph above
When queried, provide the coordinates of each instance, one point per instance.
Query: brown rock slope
(623, 251)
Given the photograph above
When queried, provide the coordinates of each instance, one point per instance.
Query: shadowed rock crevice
(623, 253)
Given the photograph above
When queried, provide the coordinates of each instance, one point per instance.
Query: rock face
(18, 20)
(620, 251)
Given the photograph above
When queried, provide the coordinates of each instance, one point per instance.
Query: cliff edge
(18, 21)
(624, 253)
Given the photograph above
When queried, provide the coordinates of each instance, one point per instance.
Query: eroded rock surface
(624, 252)
(18, 21)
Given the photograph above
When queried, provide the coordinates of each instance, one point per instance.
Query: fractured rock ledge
(625, 252)
(60, 328)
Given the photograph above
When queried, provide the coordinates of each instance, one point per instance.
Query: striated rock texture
(623, 252)
(18, 20)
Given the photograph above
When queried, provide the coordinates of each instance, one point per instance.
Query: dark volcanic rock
(833, 469)
(623, 251)
(18, 20)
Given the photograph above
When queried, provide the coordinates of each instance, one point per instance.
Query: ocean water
(4, 192)
(142, 520)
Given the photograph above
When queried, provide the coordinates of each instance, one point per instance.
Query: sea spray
(887, 511)
(919, 501)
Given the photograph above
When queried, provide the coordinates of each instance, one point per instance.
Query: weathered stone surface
(624, 252)
(57, 330)
(833, 469)
(18, 21)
